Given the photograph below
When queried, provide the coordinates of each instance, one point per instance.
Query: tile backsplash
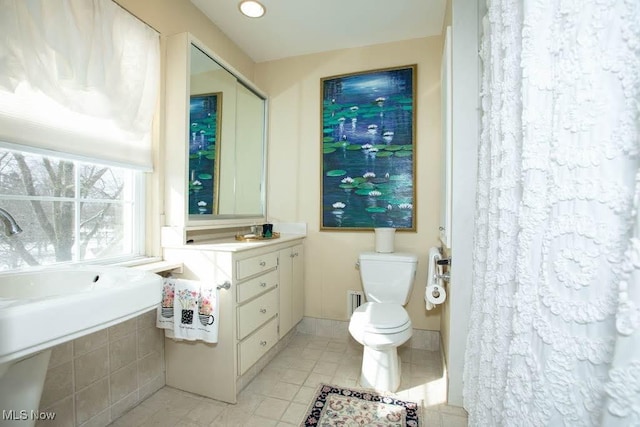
(94, 379)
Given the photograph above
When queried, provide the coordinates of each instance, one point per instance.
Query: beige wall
(293, 86)
(177, 16)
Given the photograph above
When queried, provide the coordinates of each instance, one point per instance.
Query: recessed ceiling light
(252, 8)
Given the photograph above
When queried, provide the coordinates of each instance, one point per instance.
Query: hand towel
(164, 316)
(195, 311)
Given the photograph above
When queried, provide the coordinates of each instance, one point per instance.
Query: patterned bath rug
(338, 406)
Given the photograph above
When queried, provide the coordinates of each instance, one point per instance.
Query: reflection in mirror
(204, 111)
(226, 145)
(249, 130)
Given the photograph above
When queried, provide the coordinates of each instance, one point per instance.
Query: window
(69, 210)
(78, 89)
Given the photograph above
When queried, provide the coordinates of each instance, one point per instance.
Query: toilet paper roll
(436, 294)
(384, 239)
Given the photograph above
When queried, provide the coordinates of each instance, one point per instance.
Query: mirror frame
(177, 97)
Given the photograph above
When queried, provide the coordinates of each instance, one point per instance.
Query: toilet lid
(384, 318)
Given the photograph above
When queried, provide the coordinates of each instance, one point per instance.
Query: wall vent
(354, 300)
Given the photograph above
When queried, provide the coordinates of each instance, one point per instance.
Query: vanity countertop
(223, 239)
(233, 245)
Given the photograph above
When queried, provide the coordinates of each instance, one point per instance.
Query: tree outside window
(69, 210)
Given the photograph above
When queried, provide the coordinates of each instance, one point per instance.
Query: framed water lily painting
(204, 149)
(368, 150)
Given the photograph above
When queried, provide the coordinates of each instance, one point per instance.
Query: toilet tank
(387, 277)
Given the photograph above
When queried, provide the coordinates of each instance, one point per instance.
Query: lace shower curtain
(555, 321)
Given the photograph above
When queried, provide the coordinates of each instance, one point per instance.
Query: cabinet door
(297, 294)
(285, 263)
(291, 265)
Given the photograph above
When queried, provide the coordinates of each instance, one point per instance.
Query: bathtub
(44, 307)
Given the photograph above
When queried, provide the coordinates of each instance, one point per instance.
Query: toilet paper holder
(444, 276)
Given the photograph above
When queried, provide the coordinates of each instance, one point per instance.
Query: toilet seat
(381, 318)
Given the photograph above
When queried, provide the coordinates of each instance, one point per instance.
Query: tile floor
(282, 392)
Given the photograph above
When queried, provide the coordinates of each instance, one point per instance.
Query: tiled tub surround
(93, 380)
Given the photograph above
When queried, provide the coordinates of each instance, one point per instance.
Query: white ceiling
(299, 27)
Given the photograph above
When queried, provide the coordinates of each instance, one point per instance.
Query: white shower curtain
(554, 336)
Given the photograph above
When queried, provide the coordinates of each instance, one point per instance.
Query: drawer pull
(263, 343)
(263, 284)
(262, 263)
(263, 310)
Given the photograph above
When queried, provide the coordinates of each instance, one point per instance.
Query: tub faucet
(11, 226)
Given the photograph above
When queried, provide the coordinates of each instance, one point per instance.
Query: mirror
(226, 154)
(215, 144)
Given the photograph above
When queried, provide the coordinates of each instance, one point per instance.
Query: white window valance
(78, 77)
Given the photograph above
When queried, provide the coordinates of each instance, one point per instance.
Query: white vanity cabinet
(257, 309)
(263, 303)
(291, 294)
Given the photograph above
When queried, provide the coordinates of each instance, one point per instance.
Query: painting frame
(203, 152)
(368, 150)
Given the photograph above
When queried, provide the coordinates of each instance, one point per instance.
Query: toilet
(382, 324)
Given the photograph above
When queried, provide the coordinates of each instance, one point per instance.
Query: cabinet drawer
(251, 266)
(255, 313)
(253, 287)
(254, 347)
